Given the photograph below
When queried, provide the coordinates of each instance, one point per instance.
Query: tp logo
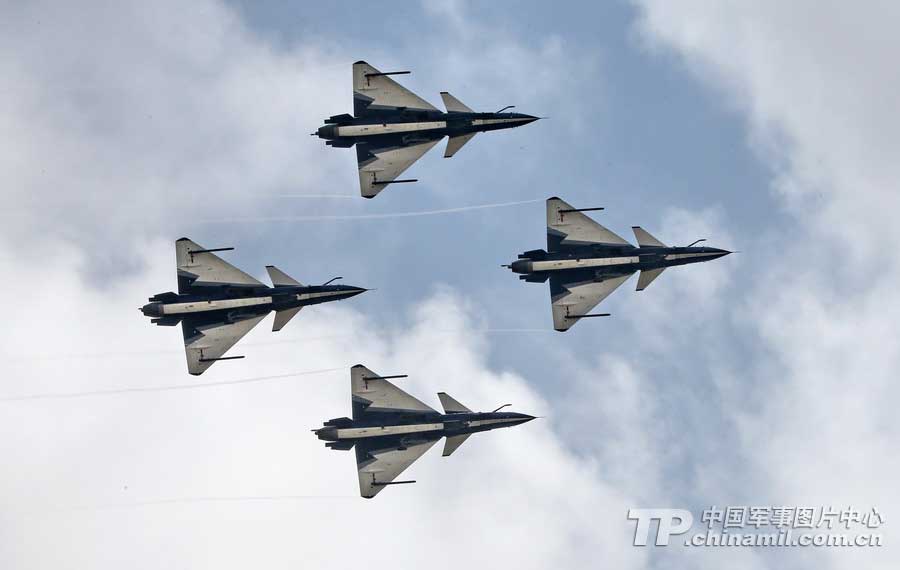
(667, 525)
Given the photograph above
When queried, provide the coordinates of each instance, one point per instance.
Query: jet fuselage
(402, 425)
(237, 302)
(411, 126)
(536, 265)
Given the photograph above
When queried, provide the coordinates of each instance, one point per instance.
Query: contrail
(190, 500)
(134, 353)
(321, 196)
(231, 499)
(324, 218)
(170, 387)
(492, 331)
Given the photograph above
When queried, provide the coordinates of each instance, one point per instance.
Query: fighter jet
(393, 127)
(217, 303)
(585, 262)
(391, 429)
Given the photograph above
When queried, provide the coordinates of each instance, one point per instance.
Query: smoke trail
(170, 387)
(325, 218)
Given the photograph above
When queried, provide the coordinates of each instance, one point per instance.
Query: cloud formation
(146, 120)
(817, 87)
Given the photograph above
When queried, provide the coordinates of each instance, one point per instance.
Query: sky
(763, 378)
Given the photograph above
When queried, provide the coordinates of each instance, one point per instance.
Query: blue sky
(766, 377)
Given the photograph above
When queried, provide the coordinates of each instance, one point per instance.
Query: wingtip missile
(590, 315)
(386, 182)
(386, 483)
(211, 250)
(220, 358)
(567, 210)
(392, 377)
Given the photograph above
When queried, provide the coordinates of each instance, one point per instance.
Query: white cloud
(818, 85)
(148, 116)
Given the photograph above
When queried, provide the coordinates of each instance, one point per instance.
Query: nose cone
(719, 252)
(522, 418)
(354, 291)
(526, 119)
(152, 310)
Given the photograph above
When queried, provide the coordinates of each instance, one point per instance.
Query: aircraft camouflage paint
(217, 303)
(585, 262)
(391, 429)
(393, 127)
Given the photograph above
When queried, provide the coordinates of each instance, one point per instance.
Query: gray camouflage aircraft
(586, 262)
(391, 429)
(217, 303)
(392, 127)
